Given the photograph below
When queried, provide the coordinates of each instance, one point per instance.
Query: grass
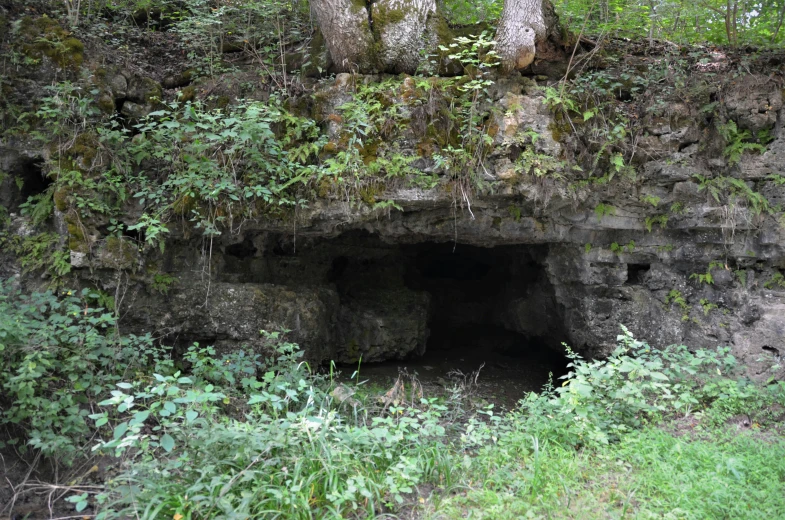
(651, 473)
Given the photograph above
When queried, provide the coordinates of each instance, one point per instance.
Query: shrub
(58, 356)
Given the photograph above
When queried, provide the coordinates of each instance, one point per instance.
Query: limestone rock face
(544, 252)
(232, 315)
(754, 101)
(392, 324)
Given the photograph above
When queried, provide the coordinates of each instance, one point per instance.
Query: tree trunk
(402, 30)
(370, 36)
(346, 28)
(524, 25)
(380, 36)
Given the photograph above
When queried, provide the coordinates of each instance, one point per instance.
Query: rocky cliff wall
(657, 205)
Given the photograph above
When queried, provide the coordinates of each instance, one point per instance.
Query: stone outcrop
(541, 251)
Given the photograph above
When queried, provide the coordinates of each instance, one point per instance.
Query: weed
(776, 280)
(602, 210)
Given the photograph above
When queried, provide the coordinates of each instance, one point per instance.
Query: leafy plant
(707, 306)
(737, 142)
(59, 356)
(662, 220)
(741, 274)
(619, 249)
(602, 210)
(162, 282)
(706, 277)
(730, 190)
(651, 199)
(776, 280)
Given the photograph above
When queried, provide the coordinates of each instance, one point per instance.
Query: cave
(26, 180)
(431, 307)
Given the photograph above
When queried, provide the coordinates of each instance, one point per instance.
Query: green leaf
(139, 417)
(120, 430)
(167, 442)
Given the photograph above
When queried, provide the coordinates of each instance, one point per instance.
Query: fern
(603, 209)
(737, 142)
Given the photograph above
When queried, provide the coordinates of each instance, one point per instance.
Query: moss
(370, 192)
(353, 351)
(559, 129)
(324, 188)
(444, 34)
(106, 103)
(384, 15)
(60, 198)
(493, 130)
(409, 90)
(222, 102)
(118, 253)
(188, 93)
(146, 90)
(369, 152)
(46, 37)
(76, 237)
(358, 5)
(85, 146)
(184, 205)
(427, 148)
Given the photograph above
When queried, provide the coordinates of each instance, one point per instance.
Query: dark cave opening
(490, 299)
(489, 307)
(27, 179)
(430, 307)
(34, 182)
(636, 273)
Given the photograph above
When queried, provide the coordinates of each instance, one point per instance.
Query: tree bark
(402, 30)
(523, 25)
(370, 36)
(346, 28)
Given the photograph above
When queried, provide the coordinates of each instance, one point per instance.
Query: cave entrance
(492, 310)
(432, 308)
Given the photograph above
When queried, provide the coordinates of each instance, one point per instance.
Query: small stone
(79, 259)
(343, 80)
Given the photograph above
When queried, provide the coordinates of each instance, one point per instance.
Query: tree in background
(392, 35)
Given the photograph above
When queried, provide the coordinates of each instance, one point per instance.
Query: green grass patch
(652, 473)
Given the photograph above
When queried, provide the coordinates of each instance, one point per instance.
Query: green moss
(188, 93)
(106, 103)
(384, 16)
(118, 253)
(184, 205)
(76, 237)
(369, 152)
(370, 192)
(444, 35)
(358, 5)
(353, 351)
(559, 129)
(85, 146)
(60, 198)
(222, 102)
(46, 37)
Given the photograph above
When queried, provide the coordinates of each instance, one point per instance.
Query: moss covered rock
(45, 38)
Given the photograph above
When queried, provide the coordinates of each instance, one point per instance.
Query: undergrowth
(261, 434)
